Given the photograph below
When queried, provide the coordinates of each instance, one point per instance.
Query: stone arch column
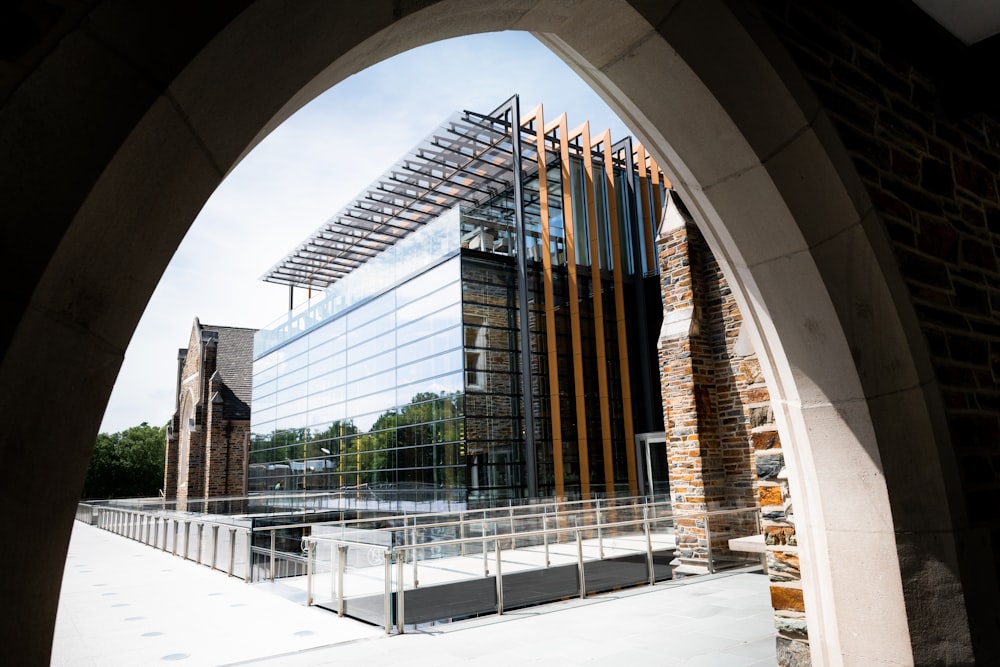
(146, 107)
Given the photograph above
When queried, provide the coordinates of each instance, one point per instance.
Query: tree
(128, 464)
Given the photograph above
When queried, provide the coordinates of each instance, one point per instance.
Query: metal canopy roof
(466, 160)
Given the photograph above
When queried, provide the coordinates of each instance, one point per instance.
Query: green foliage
(127, 464)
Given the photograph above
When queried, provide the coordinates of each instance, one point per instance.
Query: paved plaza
(124, 603)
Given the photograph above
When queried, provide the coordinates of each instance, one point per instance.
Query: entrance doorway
(654, 473)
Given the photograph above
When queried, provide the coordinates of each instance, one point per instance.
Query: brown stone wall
(919, 117)
(703, 386)
(170, 461)
(225, 455)
(722, 442)
(777, 518)
(188, 458)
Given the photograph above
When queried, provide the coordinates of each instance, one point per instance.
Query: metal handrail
(476, 514)
(144, 527)
(135, 524)
(396, 554)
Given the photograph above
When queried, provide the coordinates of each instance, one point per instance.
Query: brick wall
(205, 450)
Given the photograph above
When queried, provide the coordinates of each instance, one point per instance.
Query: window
(475, 339)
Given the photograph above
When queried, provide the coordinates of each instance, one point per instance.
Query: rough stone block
(779, 535)
(770, 495)
(768, 467)
(791, 625)
(765, 440)
(792, 653)
(783, 566)
(787, 597)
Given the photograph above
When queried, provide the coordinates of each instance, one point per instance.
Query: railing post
(600, 533)
(187, 540)
(486, 551)
(415, 555)
(249, 563)
(173, 547)
(215, 543)
(545, 536)
(334, 570)
(579, 564)
(200, 527)
(273, 540)
(649, 544)
(513, 540)
(341, 564)
(309, 574)
(400, 609)
(499, 579)
(387, 596)
(708, 543)
(461, 531)
(232, 551)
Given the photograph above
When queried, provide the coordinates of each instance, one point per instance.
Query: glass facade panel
(380, 378)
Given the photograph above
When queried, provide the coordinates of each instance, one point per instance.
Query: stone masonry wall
(708, 442)
(928, 152)
(723, 447)
(225, 452)
(170, 462)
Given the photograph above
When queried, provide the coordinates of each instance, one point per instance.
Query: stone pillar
(703, 390)
(680, 418)
(723, 447)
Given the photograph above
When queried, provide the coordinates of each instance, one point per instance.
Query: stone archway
(152, 124)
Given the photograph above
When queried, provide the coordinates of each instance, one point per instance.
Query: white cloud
(304, 171)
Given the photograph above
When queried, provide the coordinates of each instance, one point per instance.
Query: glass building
(405, 376)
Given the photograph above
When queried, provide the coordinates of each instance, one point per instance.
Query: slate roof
(234, 364)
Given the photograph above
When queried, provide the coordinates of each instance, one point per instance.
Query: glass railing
(407, 570)
(223, 546)
(403, 572)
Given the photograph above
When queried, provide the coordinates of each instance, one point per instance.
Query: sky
(309, 168)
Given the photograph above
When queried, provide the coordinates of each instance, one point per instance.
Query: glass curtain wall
(370, 400)
(405, 379)
(594, 446)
